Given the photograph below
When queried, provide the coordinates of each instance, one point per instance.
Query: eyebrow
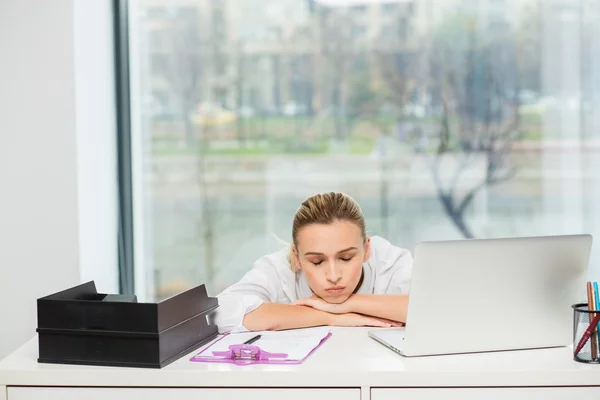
(313, 253)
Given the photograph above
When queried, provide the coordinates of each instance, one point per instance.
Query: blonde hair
(325, 208)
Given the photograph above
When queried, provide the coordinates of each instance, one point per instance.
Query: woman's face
(331, 256)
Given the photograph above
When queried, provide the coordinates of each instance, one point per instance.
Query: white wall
(54, 106)
(96, 143)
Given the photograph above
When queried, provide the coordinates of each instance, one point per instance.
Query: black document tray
(81, 326)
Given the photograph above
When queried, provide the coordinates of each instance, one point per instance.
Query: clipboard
(248, 354)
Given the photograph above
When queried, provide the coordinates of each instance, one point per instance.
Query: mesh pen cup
(586, 335)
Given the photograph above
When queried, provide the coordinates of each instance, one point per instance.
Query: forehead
(329, 238)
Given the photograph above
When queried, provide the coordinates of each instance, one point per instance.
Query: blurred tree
(399, 74)
(336, 31)
(378, 94)
(240, 76)
(183, 71)
(188, 69)
(529, 47)
(475, 83)
(364, 99)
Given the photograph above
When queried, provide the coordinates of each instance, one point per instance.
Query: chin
(336, 299)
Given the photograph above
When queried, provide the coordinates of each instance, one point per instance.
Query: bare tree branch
(476, 90)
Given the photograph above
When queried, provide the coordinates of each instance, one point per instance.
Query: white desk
(350, 366)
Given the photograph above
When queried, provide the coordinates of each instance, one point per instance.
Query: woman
(332, 274)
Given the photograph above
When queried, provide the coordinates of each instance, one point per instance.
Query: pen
(597, 306)
(254, 339)
(587, 333)
(591, 307)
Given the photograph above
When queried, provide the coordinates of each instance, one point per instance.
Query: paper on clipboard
(296, 343)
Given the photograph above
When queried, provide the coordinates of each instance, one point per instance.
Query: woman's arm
(388, 306)
(391, 307)
(274, 316)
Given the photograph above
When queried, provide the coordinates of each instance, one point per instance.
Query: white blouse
(387, 271)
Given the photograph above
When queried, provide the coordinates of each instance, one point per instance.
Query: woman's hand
(387, 306)
(352, 319)
(342, 315)
(319, 304)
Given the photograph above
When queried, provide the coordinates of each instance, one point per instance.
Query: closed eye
(345, 259)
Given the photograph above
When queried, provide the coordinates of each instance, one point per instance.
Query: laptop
(480, 295)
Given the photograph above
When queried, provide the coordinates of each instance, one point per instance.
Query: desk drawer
(559, 393)
(48, 393)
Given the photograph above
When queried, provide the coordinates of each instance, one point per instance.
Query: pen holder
(586, 345)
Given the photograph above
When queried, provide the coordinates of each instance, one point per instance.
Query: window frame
(124, 153)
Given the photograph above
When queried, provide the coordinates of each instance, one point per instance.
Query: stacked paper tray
(81, 326)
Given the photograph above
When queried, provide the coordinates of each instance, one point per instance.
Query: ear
(296, 257)
(367, 249)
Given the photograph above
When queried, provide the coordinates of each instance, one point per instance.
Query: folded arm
(247, 311)
(273, 316)
(254, 304)
(391, 307)
(388, 306)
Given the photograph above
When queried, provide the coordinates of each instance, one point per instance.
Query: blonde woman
(332, 274)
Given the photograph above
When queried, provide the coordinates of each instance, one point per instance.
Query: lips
(335, 289)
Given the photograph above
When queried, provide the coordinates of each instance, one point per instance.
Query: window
(159, 63)
(360, 9)
(359, 32)
(388, 33)
(468, 130)
(403, 29)
(154, 12)
(389, 8)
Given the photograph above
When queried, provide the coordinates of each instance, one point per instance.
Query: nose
(334, 274)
